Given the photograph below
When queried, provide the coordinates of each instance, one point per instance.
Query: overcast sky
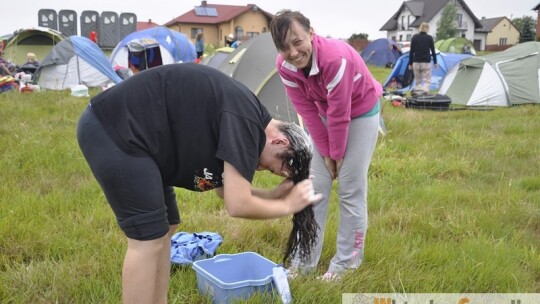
(335, 18)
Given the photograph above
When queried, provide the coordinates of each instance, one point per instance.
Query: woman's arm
(280, 191)
(241, 202)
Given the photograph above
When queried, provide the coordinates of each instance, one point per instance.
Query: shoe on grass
(331, 277)
(292, 273)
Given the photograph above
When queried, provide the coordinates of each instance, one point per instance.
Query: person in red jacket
(93, 36)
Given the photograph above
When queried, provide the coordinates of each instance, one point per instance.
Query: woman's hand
(301, 196)
(339, 163)
(331, 166)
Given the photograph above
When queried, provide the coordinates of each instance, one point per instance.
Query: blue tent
(73, 61)
(381, 52)
(401, 78)
(174, 46)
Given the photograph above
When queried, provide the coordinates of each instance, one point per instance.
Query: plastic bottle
(282, 284)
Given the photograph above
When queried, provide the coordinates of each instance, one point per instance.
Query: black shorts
(133, 185)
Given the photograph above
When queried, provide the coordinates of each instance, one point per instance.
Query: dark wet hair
(281, 23)
(300, 151)
(297, 161)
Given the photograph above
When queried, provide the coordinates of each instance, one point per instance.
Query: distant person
(332, 89)
(466, 49)
(137, 61)
(94, 36)
(236, 44)
(165, 128)
(3, 44)
(30, 66)
(31, 60)
(229, 40)
(420, 55)
(7, 68)
(199, 45)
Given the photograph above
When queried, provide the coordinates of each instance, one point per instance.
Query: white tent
(74, 61)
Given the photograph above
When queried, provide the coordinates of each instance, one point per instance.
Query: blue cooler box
(228, 277)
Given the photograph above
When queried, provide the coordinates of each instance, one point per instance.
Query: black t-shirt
(422, 48)
(189, 118)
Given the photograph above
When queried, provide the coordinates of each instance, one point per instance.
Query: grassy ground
(453, 205)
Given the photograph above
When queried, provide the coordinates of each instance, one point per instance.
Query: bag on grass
(432, 102)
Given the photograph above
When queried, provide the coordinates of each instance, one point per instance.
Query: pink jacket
(339, 87)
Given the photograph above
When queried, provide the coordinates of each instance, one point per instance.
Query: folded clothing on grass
(187, 247)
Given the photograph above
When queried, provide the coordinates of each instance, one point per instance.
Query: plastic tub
(228, 277)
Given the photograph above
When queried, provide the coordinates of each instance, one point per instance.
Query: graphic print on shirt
(205, 182)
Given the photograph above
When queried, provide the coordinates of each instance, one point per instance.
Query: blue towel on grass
(187, 247)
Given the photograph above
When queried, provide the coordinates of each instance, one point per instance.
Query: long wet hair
(297, 160)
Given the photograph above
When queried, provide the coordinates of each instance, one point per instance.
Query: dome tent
(404, 77)
(75, 60)
(456, 46)
(253, 63)
(381, 52)
(174, 46)
(38, 40)
(503, 79)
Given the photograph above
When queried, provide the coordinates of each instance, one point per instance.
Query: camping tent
(174, 46)
(381, 52)
(37, 40)
(253, 64)
(456, 46)
(214, 60)
(75, 60)
(401, 78)
(498, 79)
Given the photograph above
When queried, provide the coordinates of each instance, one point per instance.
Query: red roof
(142, 25)
(225, 13)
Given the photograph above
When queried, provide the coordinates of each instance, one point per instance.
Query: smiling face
(297, 48)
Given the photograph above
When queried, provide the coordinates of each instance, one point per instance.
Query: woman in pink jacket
(332, 89)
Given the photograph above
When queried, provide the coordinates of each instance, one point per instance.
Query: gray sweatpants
(352, 191)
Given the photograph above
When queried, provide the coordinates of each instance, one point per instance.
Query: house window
(409, 21)
(195, 31)
(400, 37)
(502, 41)
(239, 33)
(459, 20)
(403, 23)
(409, 37)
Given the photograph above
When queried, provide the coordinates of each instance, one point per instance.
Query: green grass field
(454, 207)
